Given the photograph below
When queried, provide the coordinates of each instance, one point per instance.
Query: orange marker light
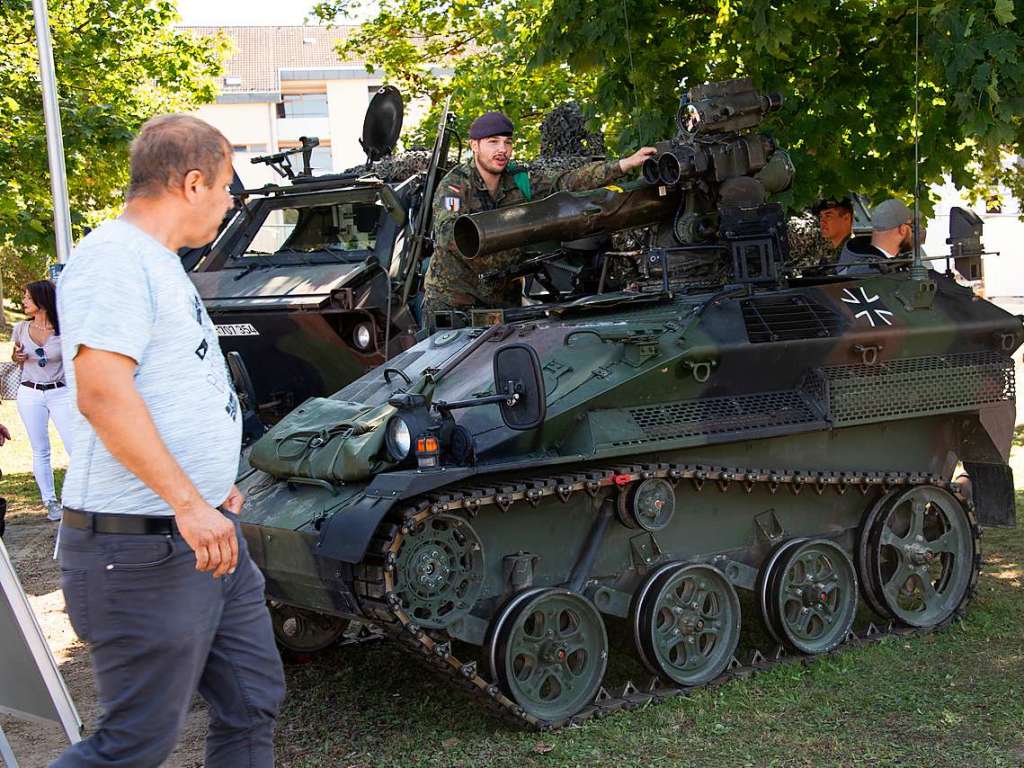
(427, 445)
(428, 450)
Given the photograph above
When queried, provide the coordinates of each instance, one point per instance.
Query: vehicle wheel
(812, 590)
(686, 623)
(870, 589)
(765, 587)
(922, 554)
(439, 570)
(548, 650)
(302, 631)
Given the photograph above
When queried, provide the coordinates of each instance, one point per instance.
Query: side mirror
(517, 373)
(252, 427)
(965, 231)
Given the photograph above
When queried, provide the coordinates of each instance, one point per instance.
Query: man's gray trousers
(158, 631)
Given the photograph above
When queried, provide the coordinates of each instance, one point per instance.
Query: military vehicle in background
(495, 495)
(313, 281)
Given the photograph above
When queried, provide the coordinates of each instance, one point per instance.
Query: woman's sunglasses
(41, 354)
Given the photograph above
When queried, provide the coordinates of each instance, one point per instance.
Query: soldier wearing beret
(492, 180)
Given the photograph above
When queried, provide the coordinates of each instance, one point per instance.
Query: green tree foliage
(845, 67)
(478, 52)
(118, 62)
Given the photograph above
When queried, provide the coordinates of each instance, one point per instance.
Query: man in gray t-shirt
(158, 580)
(126, 293)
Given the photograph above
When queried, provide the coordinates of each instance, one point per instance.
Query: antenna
(917, 268)
(629, 50)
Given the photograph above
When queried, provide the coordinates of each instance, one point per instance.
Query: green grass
(23, 496)
(955, 698)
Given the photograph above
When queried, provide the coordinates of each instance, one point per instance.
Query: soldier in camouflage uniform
(490, 180)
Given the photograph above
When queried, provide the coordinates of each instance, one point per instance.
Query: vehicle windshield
(331, 231)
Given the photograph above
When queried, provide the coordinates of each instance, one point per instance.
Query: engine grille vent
(912, 387)
(787, 318)
(717, 415)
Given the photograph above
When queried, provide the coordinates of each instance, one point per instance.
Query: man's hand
(635, 160)
(18, 353)
(211, 536)
(5, 434)
(233, 503)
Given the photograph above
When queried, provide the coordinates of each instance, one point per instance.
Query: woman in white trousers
(43, 394)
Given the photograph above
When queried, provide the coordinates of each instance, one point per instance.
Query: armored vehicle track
(393, 587)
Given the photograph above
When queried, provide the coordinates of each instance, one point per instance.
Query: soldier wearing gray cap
(892, 233)
(492, 180)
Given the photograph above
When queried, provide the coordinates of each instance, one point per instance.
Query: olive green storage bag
(325, 439)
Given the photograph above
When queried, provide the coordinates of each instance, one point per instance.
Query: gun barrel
(562, 217)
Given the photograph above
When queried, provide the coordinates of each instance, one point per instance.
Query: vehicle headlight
(362, 336)
(398, 438)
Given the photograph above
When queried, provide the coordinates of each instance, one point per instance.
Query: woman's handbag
(10, 381)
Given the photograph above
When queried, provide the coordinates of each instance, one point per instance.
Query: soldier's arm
(444, 215)
(589, 176)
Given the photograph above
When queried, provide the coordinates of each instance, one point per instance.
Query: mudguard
(347, 533)
(992, 490)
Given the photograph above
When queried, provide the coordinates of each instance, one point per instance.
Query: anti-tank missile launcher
(707, 189)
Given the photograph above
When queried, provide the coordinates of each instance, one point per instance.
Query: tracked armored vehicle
(495, 496)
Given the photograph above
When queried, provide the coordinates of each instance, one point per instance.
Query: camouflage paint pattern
(627, 386)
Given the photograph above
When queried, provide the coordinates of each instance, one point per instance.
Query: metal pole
(54, 140)
(918, 271)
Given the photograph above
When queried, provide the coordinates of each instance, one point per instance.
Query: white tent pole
(54, 139)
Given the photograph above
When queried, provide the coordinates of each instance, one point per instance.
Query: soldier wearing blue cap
(492, 180)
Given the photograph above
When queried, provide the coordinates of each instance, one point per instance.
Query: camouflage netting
(396, 168)
(565, 144)
(807, 248)
(564, 134)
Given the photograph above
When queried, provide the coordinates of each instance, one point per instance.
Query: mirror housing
(517, 372)
(965, 232)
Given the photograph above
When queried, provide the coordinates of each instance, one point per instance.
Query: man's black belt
(43, 387)
(100, 522)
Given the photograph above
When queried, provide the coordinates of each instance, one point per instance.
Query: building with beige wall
(281, 83)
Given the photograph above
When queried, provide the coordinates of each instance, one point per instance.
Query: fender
(347, 533)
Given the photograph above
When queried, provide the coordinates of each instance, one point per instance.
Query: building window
(249, 147)
(302, 105)
(320, 160)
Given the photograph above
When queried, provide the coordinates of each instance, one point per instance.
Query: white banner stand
(5, 752)
(31, 686)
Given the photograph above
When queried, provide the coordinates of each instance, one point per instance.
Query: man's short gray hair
(169, 146)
